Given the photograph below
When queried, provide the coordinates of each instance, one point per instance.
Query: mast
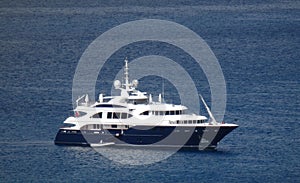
(126, 75)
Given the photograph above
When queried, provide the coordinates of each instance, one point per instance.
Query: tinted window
(116, 115)
(109, 115)
(68, 125)
(145, 113)
(123, 115)
(98, 115)
(110, 105)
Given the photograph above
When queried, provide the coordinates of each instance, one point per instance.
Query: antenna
(163, 90)
(86, 99)
(159, 98)
(150, 99)
(100, 97)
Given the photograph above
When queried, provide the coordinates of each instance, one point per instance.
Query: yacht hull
(145, 136)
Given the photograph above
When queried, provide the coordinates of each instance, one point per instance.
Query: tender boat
(133, 119)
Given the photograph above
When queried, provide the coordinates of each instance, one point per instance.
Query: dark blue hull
(191, 137)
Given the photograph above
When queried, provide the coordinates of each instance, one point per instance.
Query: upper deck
(134, 107)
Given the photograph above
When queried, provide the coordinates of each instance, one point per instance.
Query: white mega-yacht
(134, 119)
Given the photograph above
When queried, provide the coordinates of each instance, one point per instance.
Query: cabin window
(145, 113)
(114, 126)
(137, 101)
(110, 106)
(123, 115)
(98, 115)
(109, 115)
(79, 113)
(106, 100)
(116, 115)
(67, 125)
(157, 113)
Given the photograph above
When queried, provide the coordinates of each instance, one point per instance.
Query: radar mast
(126, 74)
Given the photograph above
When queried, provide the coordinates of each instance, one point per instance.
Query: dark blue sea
(256, 43)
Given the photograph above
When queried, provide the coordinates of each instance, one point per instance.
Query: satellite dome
(135, 82)
(117, 84)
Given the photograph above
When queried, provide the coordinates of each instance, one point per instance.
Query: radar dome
(135, 82)
(117, 84)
